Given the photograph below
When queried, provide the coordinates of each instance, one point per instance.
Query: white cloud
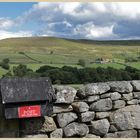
(93, 20)
(129, 10)
(6, 34)
(5, 23)
(91, 31)
(78, 17)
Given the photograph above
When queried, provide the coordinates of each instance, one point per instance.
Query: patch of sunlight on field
(134, 65)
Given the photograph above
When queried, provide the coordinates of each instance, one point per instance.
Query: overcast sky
(96, 20)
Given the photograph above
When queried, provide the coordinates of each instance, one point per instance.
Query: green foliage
(132, 59)
(73, 75)
(70, 75)
(21, 70)
(21, 53)
(5, 63)
(82, 62)
(8, 74)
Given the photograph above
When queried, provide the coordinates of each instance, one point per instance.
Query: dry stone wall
(106, 110)
(96, 110)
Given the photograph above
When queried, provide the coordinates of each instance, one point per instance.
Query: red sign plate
(29, 111)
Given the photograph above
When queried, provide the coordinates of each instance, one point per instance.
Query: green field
(60, 52)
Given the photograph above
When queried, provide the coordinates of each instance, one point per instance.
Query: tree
(5, 63)
(21, 70)
(51, 52)
(8, 74)
(82, 62)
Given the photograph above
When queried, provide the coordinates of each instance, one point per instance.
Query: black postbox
(27, 97)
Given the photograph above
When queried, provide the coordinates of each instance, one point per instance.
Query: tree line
(73, 75)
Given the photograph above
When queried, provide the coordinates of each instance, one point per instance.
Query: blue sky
(95, 20)
(14, 9)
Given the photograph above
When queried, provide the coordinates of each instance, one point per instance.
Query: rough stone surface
(121, 86)
(93, 89)
(48, 125)
(136, 95)
(127, 97)
(96, 88)
(112, 128)
(118, 104)
(91, 136)
(91, 99)
(99, 127)
(102, 105)
(58, 133)
(113, 95)
(106, 95)
(111, 135)
(122, 120)
(80, 106)
(75, 129)
(122, 134)
(65, 118)
(136, 85)
(134, 110)
(87, 116)
(133, 102)
(36, 136)
(127, 134)
(101, 115)
(65, 94)
(62, 108)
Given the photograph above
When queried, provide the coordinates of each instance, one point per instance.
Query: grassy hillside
(59, 52)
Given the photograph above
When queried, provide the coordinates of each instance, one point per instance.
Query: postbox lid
(17, 90)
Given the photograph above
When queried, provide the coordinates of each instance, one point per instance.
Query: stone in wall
(48, 124)
(122, 120)
(91, 136)
(99, 127)
(58, 133)
(65, 94)
(136, 85)
(76, 129)
(112, 128)
(118, 104)
(127, 134)
(126, 118)
(105, 95)
(136, 95)
(113, 95)
(62, 108)
(135, 114)
(127, 97)
(121, 86)
(133, 102)
(91, 99)
(36, 136)
(122, 134)
(101, 115)
(93, 89)
(65, 118)
(87, 116)
(80, 106)
(102, 105)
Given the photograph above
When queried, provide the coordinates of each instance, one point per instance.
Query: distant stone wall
(96, 110)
